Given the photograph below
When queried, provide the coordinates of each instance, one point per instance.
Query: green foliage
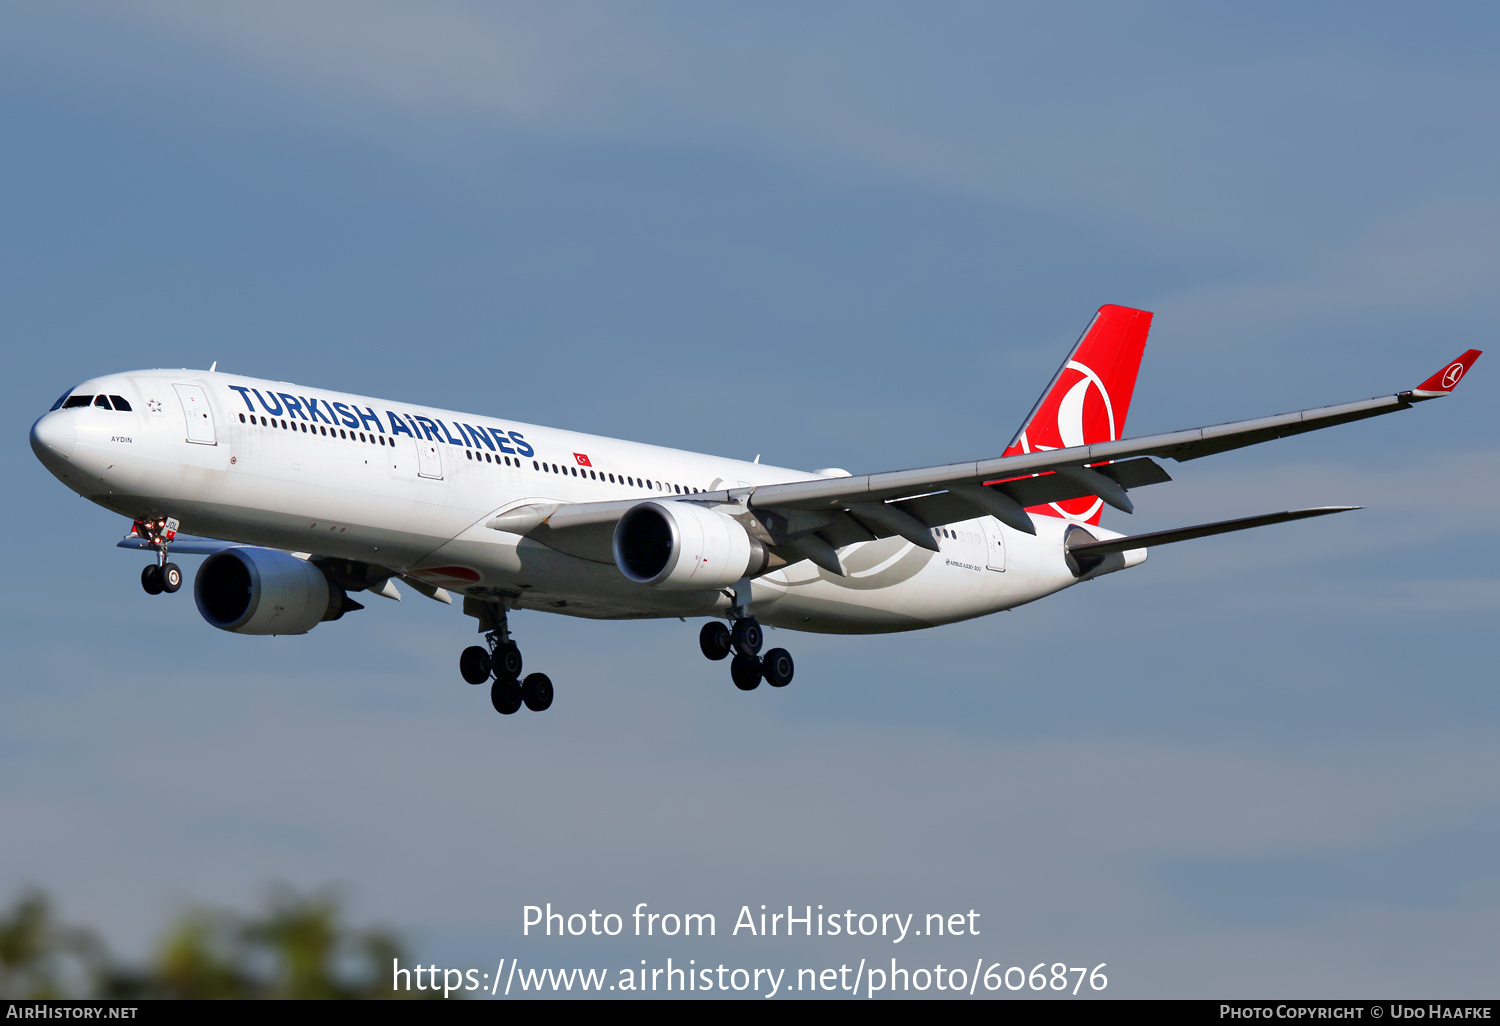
(298, 947)
(39, 957)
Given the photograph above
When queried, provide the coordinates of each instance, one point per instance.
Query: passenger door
(994, 543)
(200, 419)
(429, 460)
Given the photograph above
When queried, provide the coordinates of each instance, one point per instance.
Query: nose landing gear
(502, 662)
(164, 576)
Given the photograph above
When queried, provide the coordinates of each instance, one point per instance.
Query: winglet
(1445, 380)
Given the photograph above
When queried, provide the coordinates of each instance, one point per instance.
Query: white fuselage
(411, 488)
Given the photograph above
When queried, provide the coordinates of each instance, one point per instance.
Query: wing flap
(940, 508)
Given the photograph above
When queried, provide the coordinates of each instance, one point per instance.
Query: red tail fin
(1089, 398)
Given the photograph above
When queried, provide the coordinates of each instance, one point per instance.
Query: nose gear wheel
(158, 534)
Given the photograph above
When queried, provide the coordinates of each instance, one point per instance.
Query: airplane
(301, 497)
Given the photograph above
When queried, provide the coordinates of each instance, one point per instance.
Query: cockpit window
(58, 404)
(68, 402)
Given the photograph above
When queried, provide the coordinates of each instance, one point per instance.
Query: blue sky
(857, 235)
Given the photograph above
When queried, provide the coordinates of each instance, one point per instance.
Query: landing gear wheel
(536, 690)
(171, 577)
(777, 666)
(505, 696)
(474, 664)
(747, 636)
(714, 640)
(746, 672)
(151, 579)
(506, 662)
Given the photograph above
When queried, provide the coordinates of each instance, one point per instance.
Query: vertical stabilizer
(1088, 399)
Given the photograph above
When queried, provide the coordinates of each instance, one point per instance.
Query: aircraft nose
(54, 435)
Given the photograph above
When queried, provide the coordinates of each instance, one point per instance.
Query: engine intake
(681, 546)
(265, 591)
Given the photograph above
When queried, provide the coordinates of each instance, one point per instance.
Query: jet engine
(681, 546)
(265, 591)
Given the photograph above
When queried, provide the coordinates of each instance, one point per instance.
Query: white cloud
(519, 61)
(1437, 255)
(1279, 152)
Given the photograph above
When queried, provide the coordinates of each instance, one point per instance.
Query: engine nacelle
(264, 591)
(681, 546)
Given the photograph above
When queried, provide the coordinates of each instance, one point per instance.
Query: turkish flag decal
(582, 458)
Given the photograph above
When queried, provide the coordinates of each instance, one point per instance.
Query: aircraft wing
(907, 502)
(189, 544)
(351, 576)
(812, 519)
(1178, 445)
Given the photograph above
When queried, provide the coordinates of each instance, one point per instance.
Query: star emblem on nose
(154, 405)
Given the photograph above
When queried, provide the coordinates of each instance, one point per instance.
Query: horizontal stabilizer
(1142, 541)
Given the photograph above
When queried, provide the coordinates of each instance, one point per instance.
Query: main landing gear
(501, 663)
(163, 576)
(748, 667)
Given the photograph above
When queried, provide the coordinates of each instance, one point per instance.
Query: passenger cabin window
(77, 401)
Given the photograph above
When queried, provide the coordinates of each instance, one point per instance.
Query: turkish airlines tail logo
(1447, 379)
(1088, 399)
